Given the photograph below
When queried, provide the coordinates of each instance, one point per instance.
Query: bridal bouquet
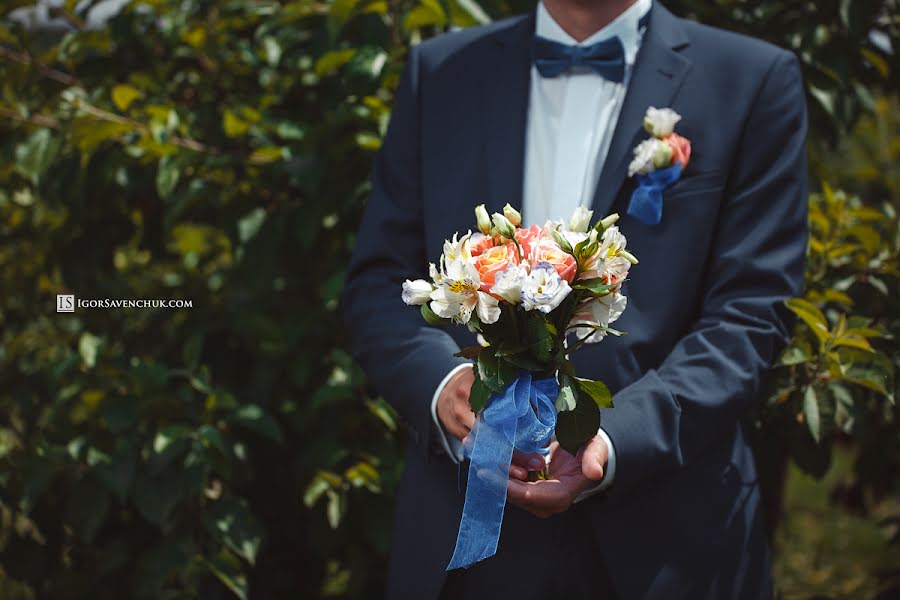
(533, 295)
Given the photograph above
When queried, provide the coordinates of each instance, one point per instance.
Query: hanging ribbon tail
(522, 417)
(646, 202)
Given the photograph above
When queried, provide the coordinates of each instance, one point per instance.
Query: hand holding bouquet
(533, 295)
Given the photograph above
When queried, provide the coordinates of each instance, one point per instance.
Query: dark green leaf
(575, 427)
(479, 394)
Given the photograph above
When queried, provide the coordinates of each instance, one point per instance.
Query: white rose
(508, 283)
(581, 219)
(643, 156)
(416, 293)
(544, 289)
(660, 122)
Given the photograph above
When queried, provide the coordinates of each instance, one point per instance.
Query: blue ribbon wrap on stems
(646, 200)
(523, 417)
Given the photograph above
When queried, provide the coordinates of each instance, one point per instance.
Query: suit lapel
(658, 72)
(506, 76)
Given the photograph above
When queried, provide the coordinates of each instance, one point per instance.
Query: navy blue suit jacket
(705, 315)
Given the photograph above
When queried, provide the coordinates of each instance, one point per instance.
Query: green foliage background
(218, 152)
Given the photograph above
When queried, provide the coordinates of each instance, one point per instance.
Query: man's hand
(453, 407)
(455, 413)
(568, 476)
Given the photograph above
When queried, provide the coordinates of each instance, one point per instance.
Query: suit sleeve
(404, 359)
(667, 418)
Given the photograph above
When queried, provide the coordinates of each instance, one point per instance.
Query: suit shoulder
(447, 45)
(727, 49)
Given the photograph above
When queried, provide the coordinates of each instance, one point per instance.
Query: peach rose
(478, 243)
(548, 251)
(527, 238)
(494, 260)
(681, 149)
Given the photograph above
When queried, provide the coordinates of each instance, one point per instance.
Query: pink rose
(494, 260)
(478, 243)
(548, 251)
(681, 149)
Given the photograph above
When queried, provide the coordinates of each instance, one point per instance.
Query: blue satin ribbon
(647, 199)
(523, 417)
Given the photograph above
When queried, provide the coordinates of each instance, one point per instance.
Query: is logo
(65, 303)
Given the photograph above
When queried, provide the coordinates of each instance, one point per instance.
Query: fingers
(529, 460)
(541, 498)
(593, 459)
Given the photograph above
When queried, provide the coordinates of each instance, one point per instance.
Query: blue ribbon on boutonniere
(647, 199)
(523, 417)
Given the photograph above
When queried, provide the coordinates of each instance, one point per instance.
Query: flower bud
(581, 219)
(416, 292)
(483, 219)
(503, 225)
(662, 156)
(628, 256)
(514, 216)
(607, 222)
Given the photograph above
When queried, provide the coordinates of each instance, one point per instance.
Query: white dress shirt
(571, 120)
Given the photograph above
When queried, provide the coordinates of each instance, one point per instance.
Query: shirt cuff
(452, 447)
(609, 472)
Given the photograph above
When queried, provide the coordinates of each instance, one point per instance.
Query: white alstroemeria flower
(416, 293)
(458, 295)
(615, 270)
(434, 273)
(457, 249)
(660, 122)
(600, 312)
(642, 164)
(574, 237)
(544, 289)
(612, 243)
(581, 219)
(508, 283)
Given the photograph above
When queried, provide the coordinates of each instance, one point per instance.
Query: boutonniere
(658, 163)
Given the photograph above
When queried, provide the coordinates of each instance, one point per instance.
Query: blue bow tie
(606, 58)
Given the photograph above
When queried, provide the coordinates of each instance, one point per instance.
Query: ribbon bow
(523, 417)
(606, 57)
(647, 201)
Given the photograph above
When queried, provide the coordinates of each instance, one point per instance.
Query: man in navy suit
(664, 501)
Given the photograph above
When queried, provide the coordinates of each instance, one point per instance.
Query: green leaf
(431, 317)
(117, 474)
(811, 315)
(595, 286)
(157, 497)
(479, 394)
(167, 175)
(233, 125)
(231, 521)
(89, 347)
(36, 154)
(86, 509)
(798, 352)
(487, 367)
(575, 427)
(596, 390)
(333, 60)
(811, 412)
(123, 95)
(567, 397)
(255, 418)
(541, 338)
